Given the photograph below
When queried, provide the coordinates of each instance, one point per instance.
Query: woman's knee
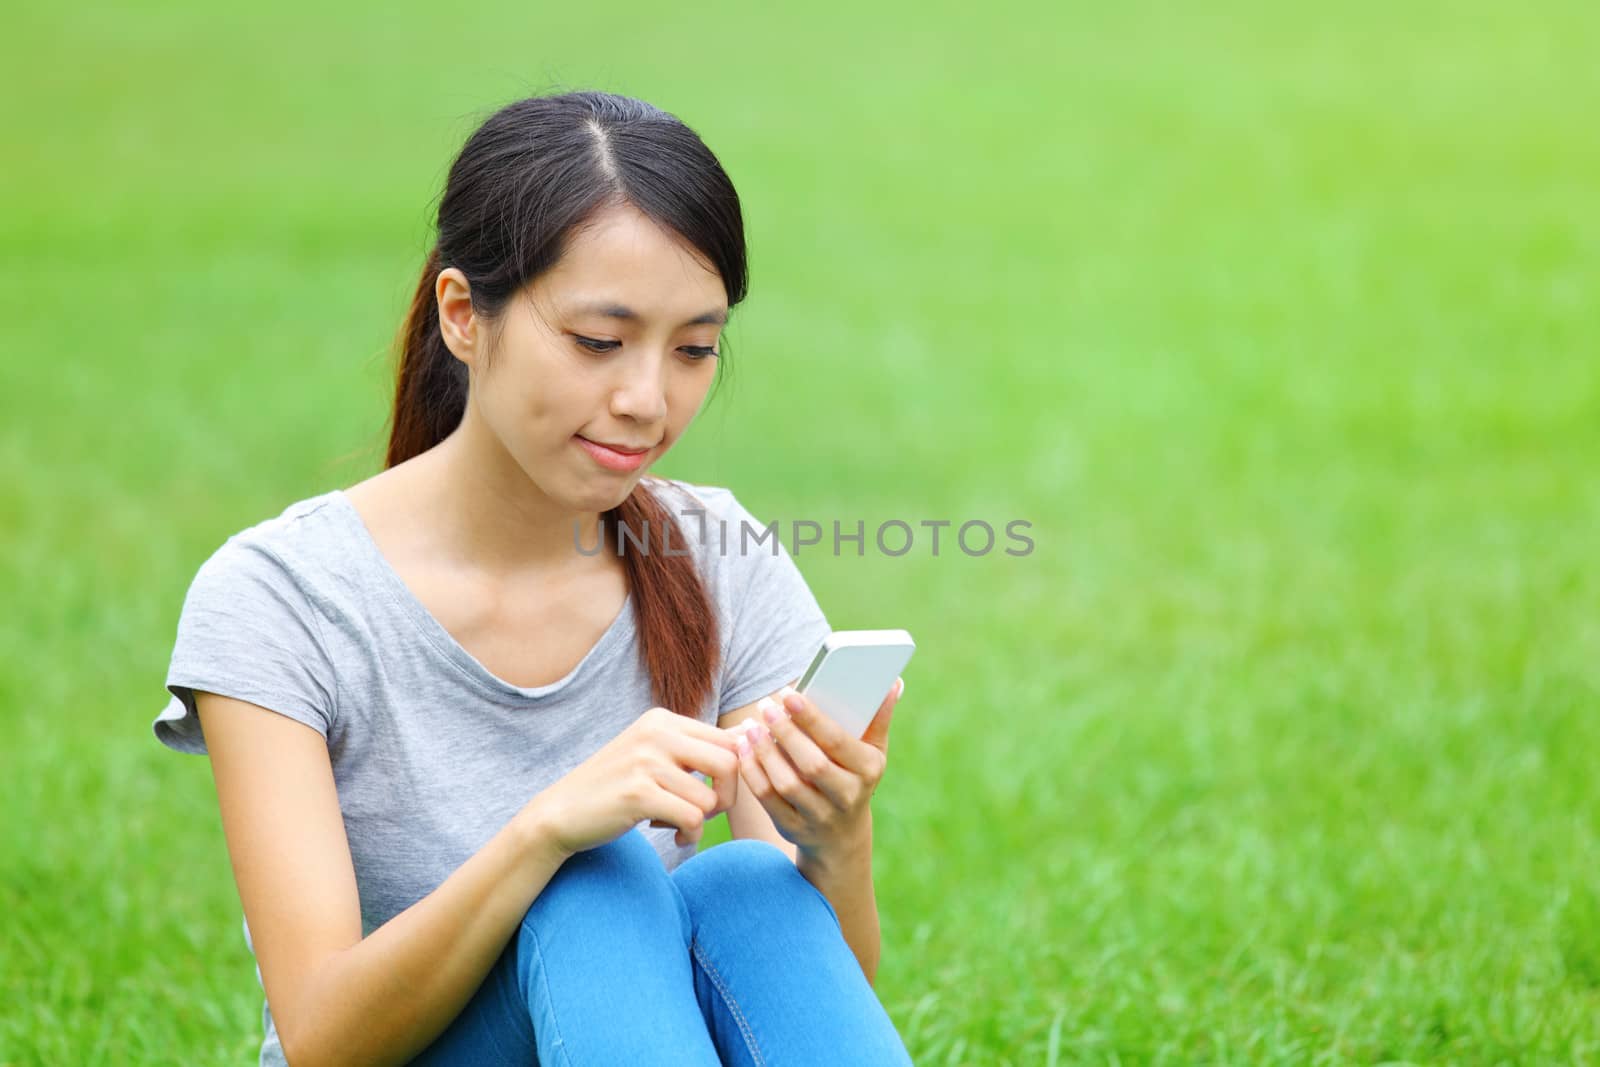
(622, 877)
(748, 881)
(740, 859)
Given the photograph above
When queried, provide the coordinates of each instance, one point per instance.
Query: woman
(466, 836)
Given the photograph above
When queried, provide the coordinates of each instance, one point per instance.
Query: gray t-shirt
(431, 752)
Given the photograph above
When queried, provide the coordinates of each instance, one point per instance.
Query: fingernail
(769, 710)
(902, 689)
(743, 744)
(786, 692)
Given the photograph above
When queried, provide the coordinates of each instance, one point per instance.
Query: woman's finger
(718, 762)
(755, 777)
(877, 732)
(666, 808)
(787, 782)
(806, 756)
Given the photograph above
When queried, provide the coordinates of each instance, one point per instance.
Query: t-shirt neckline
(618, 633)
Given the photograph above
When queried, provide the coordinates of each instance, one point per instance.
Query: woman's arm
(843, 876)
(336, 997)
(747, 819)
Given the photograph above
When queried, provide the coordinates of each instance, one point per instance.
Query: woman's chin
(604, 494)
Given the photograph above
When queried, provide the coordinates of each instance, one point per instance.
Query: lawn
(1277, 325)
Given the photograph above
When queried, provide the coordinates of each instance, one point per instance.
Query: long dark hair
(531, 173)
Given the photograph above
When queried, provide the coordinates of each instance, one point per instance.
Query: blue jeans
(732, 958)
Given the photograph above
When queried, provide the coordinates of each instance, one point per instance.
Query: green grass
(1278, 325)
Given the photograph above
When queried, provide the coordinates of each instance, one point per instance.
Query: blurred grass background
(1277, 323)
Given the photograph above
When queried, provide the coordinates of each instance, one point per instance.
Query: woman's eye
(695, 352)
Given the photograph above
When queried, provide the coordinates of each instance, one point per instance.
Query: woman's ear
(457, 321)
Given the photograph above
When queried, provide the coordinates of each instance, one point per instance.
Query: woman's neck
(472, 505)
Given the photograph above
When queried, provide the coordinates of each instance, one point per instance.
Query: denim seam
(730, 1002)
(544, 979)
(826, 903)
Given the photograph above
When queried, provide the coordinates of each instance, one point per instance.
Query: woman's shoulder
(299, 539)
(683, 497)
(729, 538)
(691, 502)
(714, 519)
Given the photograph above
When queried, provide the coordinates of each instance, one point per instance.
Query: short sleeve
(775, 623)
(248, 631)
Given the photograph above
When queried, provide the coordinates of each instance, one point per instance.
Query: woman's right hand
(645, 772)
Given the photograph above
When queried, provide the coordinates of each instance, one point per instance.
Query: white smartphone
(852, 673)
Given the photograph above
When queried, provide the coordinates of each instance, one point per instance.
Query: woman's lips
(612, 458)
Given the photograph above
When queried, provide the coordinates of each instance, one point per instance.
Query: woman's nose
(642, 393)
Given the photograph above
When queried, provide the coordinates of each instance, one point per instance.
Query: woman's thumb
(877, 732)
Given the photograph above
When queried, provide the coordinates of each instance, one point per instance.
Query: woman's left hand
(811, 776)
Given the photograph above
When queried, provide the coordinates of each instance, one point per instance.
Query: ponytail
(431, 383)
(678, 633)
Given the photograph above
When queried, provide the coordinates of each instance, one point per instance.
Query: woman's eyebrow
(714, 317)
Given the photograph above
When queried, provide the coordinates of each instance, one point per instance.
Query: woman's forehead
(636, 302)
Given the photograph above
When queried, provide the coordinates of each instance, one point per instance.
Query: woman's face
(613, 346)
